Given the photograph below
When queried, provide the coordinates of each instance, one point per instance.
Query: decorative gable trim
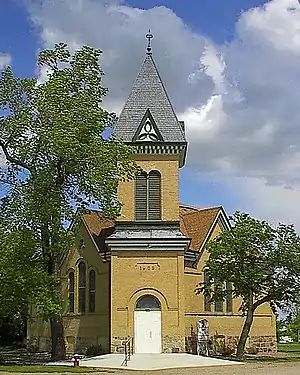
(147, 130)
(222, 217)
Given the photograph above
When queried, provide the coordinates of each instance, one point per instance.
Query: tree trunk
(58, 347)
(245, 332)
(58, 351)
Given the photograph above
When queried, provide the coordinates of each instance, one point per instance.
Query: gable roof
(148, 92)
(98, 228)
(197, 224)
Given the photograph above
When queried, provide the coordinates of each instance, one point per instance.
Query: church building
(135, 277)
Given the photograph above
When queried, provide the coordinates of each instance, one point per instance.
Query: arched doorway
(147, 325)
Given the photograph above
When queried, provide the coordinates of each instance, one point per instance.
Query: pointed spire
(148, 115)
(149, 36)
(148, 92)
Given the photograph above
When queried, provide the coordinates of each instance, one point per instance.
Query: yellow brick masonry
(263, 331)
(168, 167)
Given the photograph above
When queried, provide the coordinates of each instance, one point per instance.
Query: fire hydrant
(76, 360)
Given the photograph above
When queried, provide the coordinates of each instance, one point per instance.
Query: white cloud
(239, 100)
(119, 31)
(273, 203)
(5, 60)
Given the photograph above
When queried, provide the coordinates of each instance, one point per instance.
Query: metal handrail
(128, 350)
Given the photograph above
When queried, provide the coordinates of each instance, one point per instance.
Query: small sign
(147, 267)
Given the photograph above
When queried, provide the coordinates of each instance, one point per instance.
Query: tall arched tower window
(148, 196)
(92, 291)
(81, 287)
(141, 197)
(71, 292)
(154, 196)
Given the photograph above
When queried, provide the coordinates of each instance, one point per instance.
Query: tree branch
(267, 298)
(13, 160)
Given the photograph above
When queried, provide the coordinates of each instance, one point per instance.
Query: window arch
(228, 297)
(147, 302)
(207, 292)
(92, 291)
(219, 300)
(141, 196)
(154, 196)
(71, 292)
(81, 287)
(148, 196)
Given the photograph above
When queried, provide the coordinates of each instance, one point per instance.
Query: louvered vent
(141, 197)
(154, 202)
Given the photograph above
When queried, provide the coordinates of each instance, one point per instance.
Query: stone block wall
(263, 344)
(254, 345)
(117, 344)
(173, 344)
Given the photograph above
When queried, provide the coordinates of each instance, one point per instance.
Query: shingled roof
(194, 223)
(197, 223)
(98, 227)
(148, 93)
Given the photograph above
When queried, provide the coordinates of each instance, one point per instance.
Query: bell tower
(147, 247)
(149, 124)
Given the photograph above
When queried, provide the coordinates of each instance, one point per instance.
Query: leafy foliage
(57, 159)
(263, 264)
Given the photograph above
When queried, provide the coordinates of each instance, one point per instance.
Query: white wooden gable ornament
(147, 131)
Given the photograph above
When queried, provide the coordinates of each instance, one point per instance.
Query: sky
(232, 72)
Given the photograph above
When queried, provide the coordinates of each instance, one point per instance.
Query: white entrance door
(147, 331)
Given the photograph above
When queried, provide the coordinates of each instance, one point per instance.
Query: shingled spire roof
(149, 94)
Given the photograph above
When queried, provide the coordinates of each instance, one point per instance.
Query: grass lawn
(289, 348)
(45, 369)
(286, 353)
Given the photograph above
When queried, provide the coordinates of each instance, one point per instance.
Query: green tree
(262, 263)
(57, 159)
(293, 325)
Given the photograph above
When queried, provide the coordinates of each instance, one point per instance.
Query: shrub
(94, 350)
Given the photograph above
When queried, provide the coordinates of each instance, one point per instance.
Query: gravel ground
(247, 369)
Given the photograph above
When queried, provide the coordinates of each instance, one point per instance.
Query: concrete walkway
(150, 361)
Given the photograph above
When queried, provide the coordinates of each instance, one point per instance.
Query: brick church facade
(135, 277)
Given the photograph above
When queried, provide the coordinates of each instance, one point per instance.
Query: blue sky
(214, 18)
(264, 48)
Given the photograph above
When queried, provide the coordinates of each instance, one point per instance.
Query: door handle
(150, 334)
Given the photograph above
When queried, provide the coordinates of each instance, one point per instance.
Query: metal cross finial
(149, 36)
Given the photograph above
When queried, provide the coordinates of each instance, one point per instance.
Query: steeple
(148, 108)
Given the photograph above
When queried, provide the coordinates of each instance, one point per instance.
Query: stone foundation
(73, 344)
(173, 344)
(191, 344)
(39, 344)
(262, 344)
(223, 345)
(117, 344)
(170, 344)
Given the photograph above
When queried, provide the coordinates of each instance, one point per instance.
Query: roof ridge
(195, 210)
(167, 95)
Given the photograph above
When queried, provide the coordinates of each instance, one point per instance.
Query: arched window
(154, 196)
(228, 296)
(81, 287)
(207, 292)
(219, 300)
(148, 196)
(71, 292)
(92, 291)
(147, 302)
(141, 196)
